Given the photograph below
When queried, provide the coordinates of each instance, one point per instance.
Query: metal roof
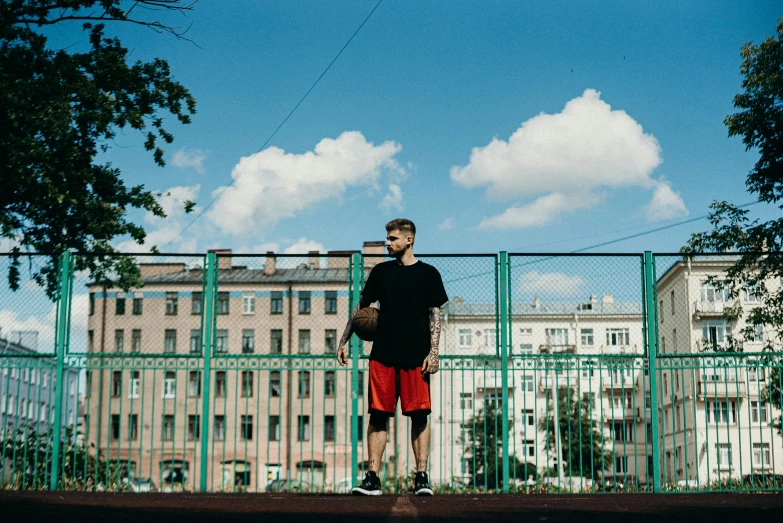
(244, 275)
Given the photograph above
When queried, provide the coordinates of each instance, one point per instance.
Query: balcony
(618, 382)
(722, 389)
(546, 382)
(709, 309)
(618, 413)
(557, 349)
(643, 414)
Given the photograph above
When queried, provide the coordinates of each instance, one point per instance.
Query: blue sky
(636, 93)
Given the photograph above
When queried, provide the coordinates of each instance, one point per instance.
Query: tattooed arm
(432, 361)
(342, 350)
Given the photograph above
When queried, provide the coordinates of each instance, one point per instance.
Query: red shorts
(387, 383)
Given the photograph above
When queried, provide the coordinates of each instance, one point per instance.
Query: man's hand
(431, 363)
(342, 356)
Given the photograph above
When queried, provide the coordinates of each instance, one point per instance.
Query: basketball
(365, 323)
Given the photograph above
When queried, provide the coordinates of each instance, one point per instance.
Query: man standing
(404, 350)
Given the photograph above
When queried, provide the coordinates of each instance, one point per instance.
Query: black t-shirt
(406, 294)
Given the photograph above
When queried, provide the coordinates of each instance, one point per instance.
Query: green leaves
(63, 107)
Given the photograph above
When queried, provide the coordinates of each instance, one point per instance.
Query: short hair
(403, 225)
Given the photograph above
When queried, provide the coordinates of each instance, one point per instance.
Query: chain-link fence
(218, 372)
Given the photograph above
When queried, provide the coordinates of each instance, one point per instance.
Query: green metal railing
(217, 372)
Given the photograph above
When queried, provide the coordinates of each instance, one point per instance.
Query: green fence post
(207, 322)
(356, 268)
(61, 335)
(651, 344)
(503, 298)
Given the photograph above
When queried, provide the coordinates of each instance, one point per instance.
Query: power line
(302, 99)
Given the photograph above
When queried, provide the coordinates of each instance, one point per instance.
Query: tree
(581, 439)
(483, 450)
(759, 121)
(59, 109)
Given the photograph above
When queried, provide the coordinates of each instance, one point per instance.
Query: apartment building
(715, 425)
(539, 332)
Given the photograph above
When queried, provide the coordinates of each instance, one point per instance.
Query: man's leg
(376, 440)
(420, 438)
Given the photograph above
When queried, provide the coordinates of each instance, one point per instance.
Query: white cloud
(586, 146)
(11, 320)
(173, 201)
(272, 184)
(304, 246)
(550, 283)
(190, 158)
(446, 224)
(393, 199)
(665, 205)
(541, 212)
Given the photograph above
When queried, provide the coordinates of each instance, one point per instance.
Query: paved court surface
(75, 507)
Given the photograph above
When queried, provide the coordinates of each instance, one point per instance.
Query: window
(276, 304)
(119, 340)
(136, 340)
(119, 304)
(90, 340)
(758, 412)
(171, 303)
(528, 419)
(529, 449)
(276, 341)
(672, 300)
(360, 381)
(715, 332)
(247, 384)
(465, 338)
(465, 400)
(761, 455)
(329, 383)
(246, 433)
(330, 341)
(168, 427)
(195, 341)
(757, 374)
(219, 430)
(115, 426)
(360, 419)
(674, 341)
(304, 302)
(196, 303)
(25, 375)
(133, 427)
(304, 383)
(556, 336)
(304, 341)
(116, 384)
(711, 293)
(221, 341)
(170, 384)
(751, 293)
(621, 464)
(660, 310)
(170, 341)
(274, 384)
(194, 427)
(248, 341)
(194, 384)
(526, 332)
(304, 428)
(137, 303)
(92, 303)
(220, 384)
(42, 411)
(622, 431)
(328, 428)
(723, 454)
(248, 303)
(757, 335)
(587, 337)
(222, 303)
(615, 337)
(330, 302)
(526, 383)
(526, 348)
(133, 391)
(45, 378)
(491, 337)
(274, 428)
(721, 412)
